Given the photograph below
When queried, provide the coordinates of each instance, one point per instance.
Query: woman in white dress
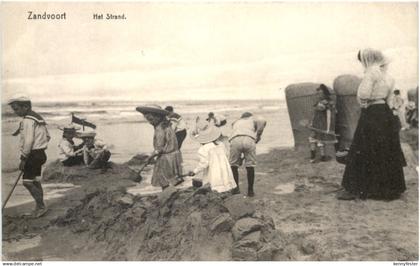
(214, 165)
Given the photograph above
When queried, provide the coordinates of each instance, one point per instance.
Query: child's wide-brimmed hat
(151, 109)
(18, 98)
(207, 134)
(69, 128)
(86, 134)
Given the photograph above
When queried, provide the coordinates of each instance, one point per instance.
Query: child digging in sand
(168, 166)
(214, 165)
(69, 153)
(34, 138)
(95, 152)
(246, 133)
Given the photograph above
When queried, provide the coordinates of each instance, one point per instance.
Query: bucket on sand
(197, 182)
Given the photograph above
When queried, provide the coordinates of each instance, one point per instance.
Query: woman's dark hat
(152, 109)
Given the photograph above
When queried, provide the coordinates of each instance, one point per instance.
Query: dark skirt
(180, 137)
(375, 162)
(320, 122)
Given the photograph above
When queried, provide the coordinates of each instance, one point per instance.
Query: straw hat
(18, 98)
(86, 134)
(208, 134)
(69, 128)
(152, 108)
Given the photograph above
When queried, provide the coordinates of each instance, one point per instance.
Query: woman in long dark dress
(374, 167)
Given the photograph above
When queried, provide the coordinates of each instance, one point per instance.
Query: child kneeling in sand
(214, 164)
(69, 153)
(95, 153)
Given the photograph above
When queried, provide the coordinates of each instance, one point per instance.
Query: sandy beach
(298, 196)
(317, 61)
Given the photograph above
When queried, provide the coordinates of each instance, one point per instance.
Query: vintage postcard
(209, 131)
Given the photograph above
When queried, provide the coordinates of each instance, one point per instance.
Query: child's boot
(313, 155)
(324, 157)
(251, 176)
(236, 178)
(312, 145)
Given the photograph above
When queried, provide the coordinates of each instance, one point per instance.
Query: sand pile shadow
(190, 224)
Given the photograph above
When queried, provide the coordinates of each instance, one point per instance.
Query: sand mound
(57, 172)
(190, 224)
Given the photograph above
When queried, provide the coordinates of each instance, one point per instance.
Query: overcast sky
(198, 51)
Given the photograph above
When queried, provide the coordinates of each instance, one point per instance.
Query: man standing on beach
(34, 139)
(246, 132)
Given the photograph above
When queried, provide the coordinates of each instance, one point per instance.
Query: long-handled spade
(148, 161)
(305, 123)
(13, 188)
(139, 177)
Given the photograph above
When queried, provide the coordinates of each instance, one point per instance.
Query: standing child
(178, 124)
(34, 138)
(213, 165)
(397, 107)
(168, 166)
(321, 131)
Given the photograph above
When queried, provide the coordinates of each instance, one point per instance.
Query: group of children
(214, 167)
(33, 142)
(91, 152)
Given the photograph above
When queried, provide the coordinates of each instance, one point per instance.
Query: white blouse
(65, 150)
(375, 85)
